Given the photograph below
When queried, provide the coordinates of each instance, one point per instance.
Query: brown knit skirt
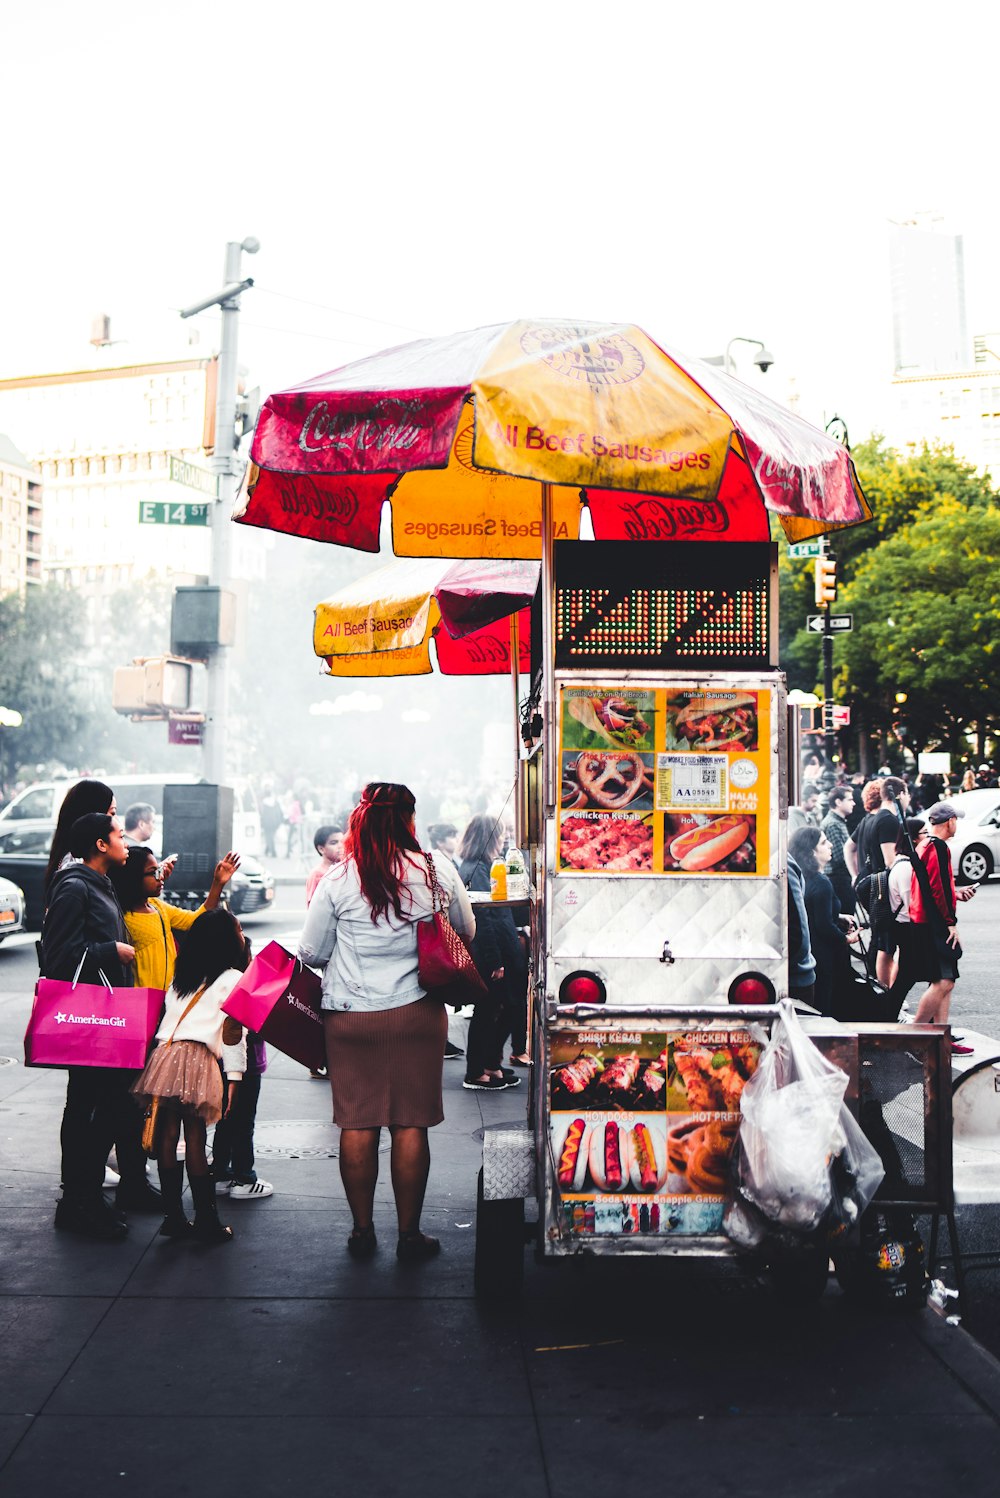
(386, 1064)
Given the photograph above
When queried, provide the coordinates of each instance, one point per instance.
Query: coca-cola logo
(658, 519)
(306, 497)
(389, 426)
(494, 650)
(771, 475)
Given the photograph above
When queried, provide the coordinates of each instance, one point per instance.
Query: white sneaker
(111, 1178)
(252, 1191)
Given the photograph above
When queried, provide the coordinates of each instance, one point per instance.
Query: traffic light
(826, 579)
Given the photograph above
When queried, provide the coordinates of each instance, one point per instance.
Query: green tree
(927, 561)
(41, 677)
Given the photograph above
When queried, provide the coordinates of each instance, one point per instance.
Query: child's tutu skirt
(184, 1075)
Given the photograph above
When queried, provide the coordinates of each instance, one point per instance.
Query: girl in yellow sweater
(151, 921)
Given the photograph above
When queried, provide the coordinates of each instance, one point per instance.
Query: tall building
(20, 520)
(960, 409)
(928, 297)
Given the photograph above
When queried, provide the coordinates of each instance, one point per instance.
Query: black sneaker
(452, 1052)
(492, 1084)
(509, 1078)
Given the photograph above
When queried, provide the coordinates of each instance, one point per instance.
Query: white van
(42, 800)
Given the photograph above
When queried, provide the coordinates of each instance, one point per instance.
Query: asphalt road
(976, 1005)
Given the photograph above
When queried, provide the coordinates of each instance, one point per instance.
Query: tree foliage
(922, 581)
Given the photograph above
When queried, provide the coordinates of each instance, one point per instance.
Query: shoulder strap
(166, 948)
(191, 1003)
(438, 901)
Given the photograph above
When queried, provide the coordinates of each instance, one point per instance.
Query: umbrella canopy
(462, 432)
(382, 624)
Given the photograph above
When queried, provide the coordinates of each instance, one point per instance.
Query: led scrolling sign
(699, 603)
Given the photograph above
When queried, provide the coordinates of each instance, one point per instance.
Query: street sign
(841, 716)
(162, 512)
(804, 550)
(840, 624)
(186, 731)
(193, 477)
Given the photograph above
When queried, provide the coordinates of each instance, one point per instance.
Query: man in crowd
(834, 826)
(801, 962)
(938, 917)
(444, 840)
(871, 849)
(806, 813)
(139, 822)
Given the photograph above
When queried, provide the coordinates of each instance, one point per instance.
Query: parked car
(11, 909)
(976, 844)
(24, 856)
(251, 889)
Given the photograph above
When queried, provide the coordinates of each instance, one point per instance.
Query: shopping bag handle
(100, 974)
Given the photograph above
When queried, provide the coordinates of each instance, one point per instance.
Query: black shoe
(90, 1220)
(509, 1078)
(139, 1196)
(207, 1228)
(412, 1248)
(452, 1052)
(492, 1084)
(362, 1244)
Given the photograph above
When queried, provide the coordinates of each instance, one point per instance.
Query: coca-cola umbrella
(473, 437)
(477, 613)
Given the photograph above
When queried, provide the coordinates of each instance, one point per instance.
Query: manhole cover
(8, 1060)
(301, 1139)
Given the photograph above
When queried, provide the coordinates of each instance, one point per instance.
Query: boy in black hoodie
(84, 925)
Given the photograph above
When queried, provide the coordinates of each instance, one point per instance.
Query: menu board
(664, 780)
(643, 1125)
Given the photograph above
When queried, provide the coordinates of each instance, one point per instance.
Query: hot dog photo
(609, 1155)
(709, 843)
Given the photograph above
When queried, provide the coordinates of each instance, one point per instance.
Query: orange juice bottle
(498, 879)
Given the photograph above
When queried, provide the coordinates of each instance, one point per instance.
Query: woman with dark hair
(79, 801)
(914, 961)
(183, 1072)
(152, 921)
(384, 1035)
(812, 852)
(498, 956)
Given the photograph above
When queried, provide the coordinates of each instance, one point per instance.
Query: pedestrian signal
(826, 580)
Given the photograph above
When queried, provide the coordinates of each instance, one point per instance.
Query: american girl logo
(116, 1021)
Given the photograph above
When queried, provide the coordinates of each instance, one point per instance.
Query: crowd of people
(867, 874)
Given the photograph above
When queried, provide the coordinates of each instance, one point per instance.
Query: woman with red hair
(385, 1035)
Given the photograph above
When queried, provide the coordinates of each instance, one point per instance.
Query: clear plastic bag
(801, 1158)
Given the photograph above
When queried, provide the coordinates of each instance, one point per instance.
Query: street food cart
(652, 784)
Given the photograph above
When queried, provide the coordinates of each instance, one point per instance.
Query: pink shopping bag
(279, 998)
(91, 1024)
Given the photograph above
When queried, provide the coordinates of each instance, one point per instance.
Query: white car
(11, 909)
(975, 848)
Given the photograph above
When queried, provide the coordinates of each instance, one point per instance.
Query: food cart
(652, 788)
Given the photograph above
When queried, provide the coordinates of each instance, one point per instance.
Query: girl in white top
(182, 1078)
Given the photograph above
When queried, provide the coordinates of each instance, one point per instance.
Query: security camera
(250, 245)
(763, 360)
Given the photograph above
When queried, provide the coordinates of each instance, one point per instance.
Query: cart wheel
(800, 1276)
(499, 1271)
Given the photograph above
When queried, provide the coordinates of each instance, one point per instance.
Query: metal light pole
(762, 358)
(224, 464)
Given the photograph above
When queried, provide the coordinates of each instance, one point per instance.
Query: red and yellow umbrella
(382, 625)
(463, 434)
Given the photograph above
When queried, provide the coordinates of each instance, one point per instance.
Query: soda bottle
(498, 879)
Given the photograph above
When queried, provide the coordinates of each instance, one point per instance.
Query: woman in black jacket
(497, 953)
(829, 941)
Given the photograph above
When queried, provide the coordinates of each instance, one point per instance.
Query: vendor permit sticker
(692, 780)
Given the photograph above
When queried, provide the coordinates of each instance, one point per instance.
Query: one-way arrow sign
(839, 623)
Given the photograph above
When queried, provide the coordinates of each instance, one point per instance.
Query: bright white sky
(701, 170)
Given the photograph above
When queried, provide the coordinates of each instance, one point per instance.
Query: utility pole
(225, 466)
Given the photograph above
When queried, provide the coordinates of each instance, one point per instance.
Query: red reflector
(581, 988)
(751, 991)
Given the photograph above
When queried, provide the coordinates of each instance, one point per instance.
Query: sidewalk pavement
(278, 1365)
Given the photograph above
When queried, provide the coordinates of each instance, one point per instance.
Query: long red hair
(379, 839)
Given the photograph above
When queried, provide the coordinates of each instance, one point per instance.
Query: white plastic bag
(795, 1125)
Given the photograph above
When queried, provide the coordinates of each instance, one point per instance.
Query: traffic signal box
(826, 580)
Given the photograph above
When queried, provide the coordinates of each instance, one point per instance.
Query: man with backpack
(933, 909)
(868, 853)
